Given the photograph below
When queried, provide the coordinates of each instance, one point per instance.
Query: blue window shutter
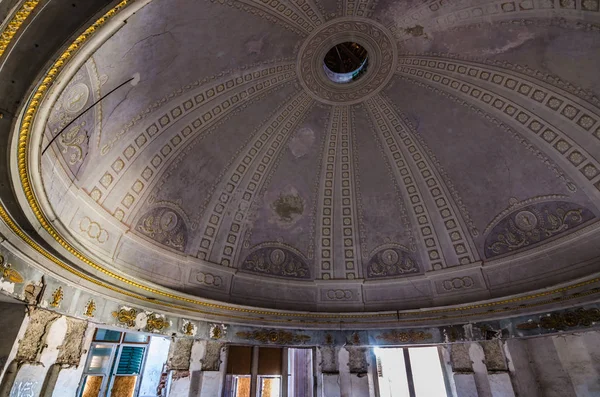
(131, 360)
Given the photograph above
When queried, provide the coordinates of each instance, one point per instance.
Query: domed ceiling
(462, 164)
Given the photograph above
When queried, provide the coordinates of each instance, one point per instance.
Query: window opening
(107, 335)
(269, 386)
(410, 372)
(300, 372)
(345, 62)
(114, 364)
(267, 373)
(427, 373)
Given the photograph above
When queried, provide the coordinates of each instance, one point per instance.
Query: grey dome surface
(462, 166)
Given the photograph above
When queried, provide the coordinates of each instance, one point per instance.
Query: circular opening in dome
(346, 62)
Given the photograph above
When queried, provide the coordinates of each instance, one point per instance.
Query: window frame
(405, 353)
(228, 390)
(110, 374)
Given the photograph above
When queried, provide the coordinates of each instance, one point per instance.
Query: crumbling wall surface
(179, 354)
(212, 356)
(38, 351)
(357, 360)
(494, 355)
(329, 360)
(69, 378)
(72, 347)
(34, 340)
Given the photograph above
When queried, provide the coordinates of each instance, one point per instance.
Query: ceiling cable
(82, 113)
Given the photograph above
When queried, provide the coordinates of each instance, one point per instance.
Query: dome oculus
(367, 53)
(345, 62)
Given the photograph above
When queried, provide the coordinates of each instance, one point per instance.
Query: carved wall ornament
(189, 328)
(276, 261)
(403, 337)
(90, 308)
(217, 331)
(534, 223)
(93, 230)
(207, 279)
(157, 322)
(354, 339)
(387, 134)
(8, 273)
(514, 204)
(338, 154)
(274, 336)
(392, 262)
(561, 321)
(72, 141)
(126, 316)
(458, 283)
(164, 226)
(339, 294)
(57, 297)
(328, 339)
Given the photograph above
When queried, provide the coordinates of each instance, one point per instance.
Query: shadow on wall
(12, 315)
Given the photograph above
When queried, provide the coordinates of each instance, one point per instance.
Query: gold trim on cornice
(23, 168)
(15, 23)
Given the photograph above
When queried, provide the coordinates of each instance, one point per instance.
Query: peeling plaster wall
(69, 378)
(31, 376)
(184, 356)
(32, 343)
(46, 338)
(72, 347)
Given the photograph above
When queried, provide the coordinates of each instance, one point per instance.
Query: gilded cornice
(15, 23)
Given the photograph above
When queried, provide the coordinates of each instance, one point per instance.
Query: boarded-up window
(239, 360)
(269, 361)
